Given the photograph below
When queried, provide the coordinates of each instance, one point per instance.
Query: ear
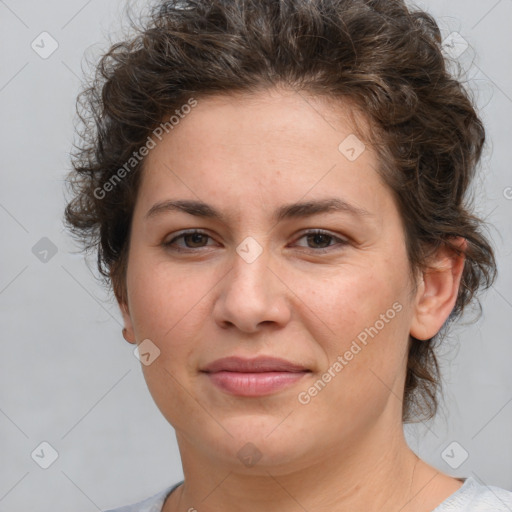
(128, 332)
(438, 289)
(119, 288)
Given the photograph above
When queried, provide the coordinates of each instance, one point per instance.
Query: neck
(377, 472)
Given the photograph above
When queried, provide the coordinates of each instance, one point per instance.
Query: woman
(277, 193)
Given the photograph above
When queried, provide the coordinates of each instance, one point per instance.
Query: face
(327, 290)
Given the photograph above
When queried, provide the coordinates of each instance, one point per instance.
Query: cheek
(351, 298)
(166, 308)
(366, 309)
(164, 301)
(364, 366)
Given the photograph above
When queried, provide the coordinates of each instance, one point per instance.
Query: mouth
(253, 377)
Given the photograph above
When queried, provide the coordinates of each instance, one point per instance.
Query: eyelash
(169, 244)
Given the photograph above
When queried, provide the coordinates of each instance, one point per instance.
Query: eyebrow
(288, 211)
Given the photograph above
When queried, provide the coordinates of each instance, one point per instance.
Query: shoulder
(475, 497)
(152, 504)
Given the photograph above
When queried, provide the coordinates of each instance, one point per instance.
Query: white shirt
(471, 497)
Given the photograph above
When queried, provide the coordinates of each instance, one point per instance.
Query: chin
(258, 445)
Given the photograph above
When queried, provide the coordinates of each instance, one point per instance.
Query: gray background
(67, 375)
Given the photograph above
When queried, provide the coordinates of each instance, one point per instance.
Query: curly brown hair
(381, 55)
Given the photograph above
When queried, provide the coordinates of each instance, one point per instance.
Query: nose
(252, 295)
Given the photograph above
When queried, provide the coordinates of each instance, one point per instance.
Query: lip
(255, 365)
(253, 377)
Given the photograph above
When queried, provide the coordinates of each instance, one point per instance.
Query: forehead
(258, 148)
(279, 121)
(269, 117)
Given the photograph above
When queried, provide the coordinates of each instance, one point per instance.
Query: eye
(193, 240)
(323, 238)
(196, 239)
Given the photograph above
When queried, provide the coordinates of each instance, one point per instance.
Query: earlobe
(128, 333)
(437, 294)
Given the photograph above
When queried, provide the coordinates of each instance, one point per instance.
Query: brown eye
(192, 239)
(321, 240)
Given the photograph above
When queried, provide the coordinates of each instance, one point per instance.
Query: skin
(345, 449)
